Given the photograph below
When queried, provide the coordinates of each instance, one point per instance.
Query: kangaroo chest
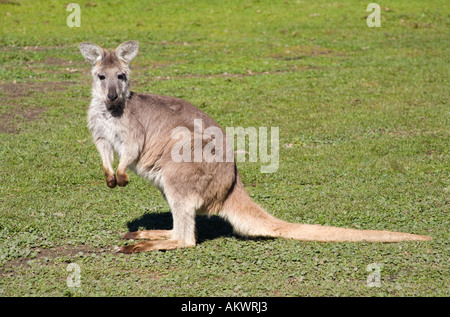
(103, 125)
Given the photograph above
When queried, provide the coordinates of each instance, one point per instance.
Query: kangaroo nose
(112, 96)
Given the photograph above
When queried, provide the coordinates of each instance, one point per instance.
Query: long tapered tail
(249, 219)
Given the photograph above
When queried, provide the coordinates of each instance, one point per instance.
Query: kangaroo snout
(112, 95)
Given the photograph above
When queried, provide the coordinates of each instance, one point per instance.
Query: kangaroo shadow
(208, 228)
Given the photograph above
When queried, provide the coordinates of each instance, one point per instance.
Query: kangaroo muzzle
(112, 95)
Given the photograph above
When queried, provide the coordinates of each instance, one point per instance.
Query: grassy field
(363, 115)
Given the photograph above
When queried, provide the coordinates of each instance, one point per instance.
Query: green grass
(364, 143)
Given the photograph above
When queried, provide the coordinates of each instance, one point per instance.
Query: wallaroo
(138, 128)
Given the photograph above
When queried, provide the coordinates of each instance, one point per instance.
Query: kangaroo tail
(249, 219)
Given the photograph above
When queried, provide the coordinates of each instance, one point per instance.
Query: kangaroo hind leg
(181, 236)
(148, 235)
(149, 246)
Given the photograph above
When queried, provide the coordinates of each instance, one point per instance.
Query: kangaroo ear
(91, 52)
(127, 51)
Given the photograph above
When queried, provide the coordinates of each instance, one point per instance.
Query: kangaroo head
(110, 71)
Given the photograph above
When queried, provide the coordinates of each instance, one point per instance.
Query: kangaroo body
(138, 128)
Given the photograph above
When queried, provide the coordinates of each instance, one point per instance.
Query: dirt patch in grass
(9, 2)
(10, 121)
(26, 89)
(249, 72)
(54, 61)
(50, 254)
(300, 52)
(18, 112)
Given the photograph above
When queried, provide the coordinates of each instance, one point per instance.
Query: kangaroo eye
(101, 77)
(121, 77)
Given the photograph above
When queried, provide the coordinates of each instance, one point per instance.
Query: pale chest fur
(119, 133)
(105, 126)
